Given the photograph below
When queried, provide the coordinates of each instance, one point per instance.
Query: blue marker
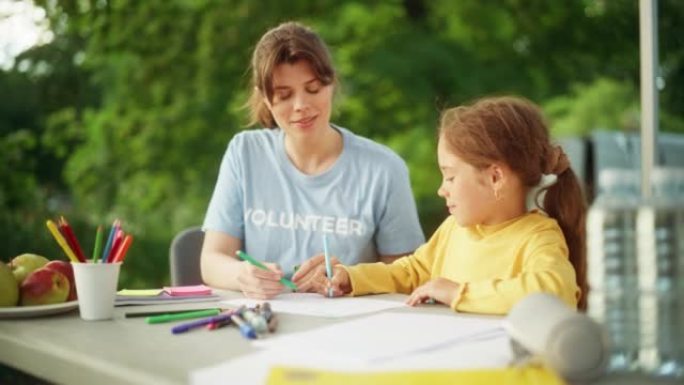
(257, 321)
(246, 329)
(328, 267)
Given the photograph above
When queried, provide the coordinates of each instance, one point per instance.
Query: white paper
(312, 304)
(385, 336)
(254, 368)
(379, 342)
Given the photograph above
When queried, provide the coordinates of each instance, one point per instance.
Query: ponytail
(564, 201)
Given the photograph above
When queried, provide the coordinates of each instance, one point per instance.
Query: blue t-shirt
(363, 202)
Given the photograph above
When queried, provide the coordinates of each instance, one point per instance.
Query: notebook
(166, 295)
(528, 375)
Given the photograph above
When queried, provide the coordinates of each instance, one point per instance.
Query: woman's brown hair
(287, 43)
(512, 130)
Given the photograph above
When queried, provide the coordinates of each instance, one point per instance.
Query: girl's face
(468, 191)
(301, 104)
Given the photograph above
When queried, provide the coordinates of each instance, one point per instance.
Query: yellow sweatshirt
(495, 266)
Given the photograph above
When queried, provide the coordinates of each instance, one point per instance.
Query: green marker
(181, 316)
(248, 258)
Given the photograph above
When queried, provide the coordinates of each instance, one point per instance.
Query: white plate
(37, 311)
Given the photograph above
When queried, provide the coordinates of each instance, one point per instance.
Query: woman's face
(301, 104)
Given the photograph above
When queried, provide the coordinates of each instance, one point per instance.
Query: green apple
(22, 265)
(9, 288)
(43, 287)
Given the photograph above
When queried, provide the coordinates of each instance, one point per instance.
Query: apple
(68, 271)
(22, 265)
(44, 286)
(9, 288)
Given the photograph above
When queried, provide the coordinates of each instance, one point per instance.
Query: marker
(266, 312)
(257, 321)
(164, 312)
(181, 316)
(272, 324)
(218, 325)
(328, 267)
(246, 257)
(246, 329)
(182, 328)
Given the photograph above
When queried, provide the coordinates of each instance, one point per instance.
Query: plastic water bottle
(660, 240)
(612, 264)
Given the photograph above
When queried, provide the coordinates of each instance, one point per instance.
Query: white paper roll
(567, 341)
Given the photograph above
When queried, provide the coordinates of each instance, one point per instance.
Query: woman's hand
(311, 277)
(440, 289)
(259, 283)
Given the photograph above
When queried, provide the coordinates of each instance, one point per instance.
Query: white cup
(96, 285)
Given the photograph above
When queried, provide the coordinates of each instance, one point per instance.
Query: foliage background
(127, 112)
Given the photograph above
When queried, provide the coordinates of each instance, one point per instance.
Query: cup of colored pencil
(114, 250)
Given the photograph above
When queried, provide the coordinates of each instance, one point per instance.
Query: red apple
(44, 286)
(68, 271)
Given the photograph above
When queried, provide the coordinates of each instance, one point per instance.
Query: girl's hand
(311, 277)
(440, 289)
(312, 273)
(259, 283)
(339, 284)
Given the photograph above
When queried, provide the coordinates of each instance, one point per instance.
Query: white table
(66, 350)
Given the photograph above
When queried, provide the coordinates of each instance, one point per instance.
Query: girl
(491, 251)
(283, 186)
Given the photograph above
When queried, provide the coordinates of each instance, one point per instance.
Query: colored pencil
(123, 249)
(110, 238)
(61, 241)
(69, 235)
(98, 244)
(116, 244)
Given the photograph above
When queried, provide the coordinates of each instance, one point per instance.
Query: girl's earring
(497, 194)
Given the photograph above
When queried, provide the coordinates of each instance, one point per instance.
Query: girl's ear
(497, 176)
(497, 179)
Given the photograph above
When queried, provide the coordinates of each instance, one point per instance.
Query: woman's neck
(314, 154)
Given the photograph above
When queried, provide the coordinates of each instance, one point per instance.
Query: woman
(282, 189)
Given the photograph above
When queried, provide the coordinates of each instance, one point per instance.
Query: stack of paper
(386, 342)
(175, 294)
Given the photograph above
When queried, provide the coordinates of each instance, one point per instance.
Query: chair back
(184, 257)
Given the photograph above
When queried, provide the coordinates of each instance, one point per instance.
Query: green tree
(126, 114)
